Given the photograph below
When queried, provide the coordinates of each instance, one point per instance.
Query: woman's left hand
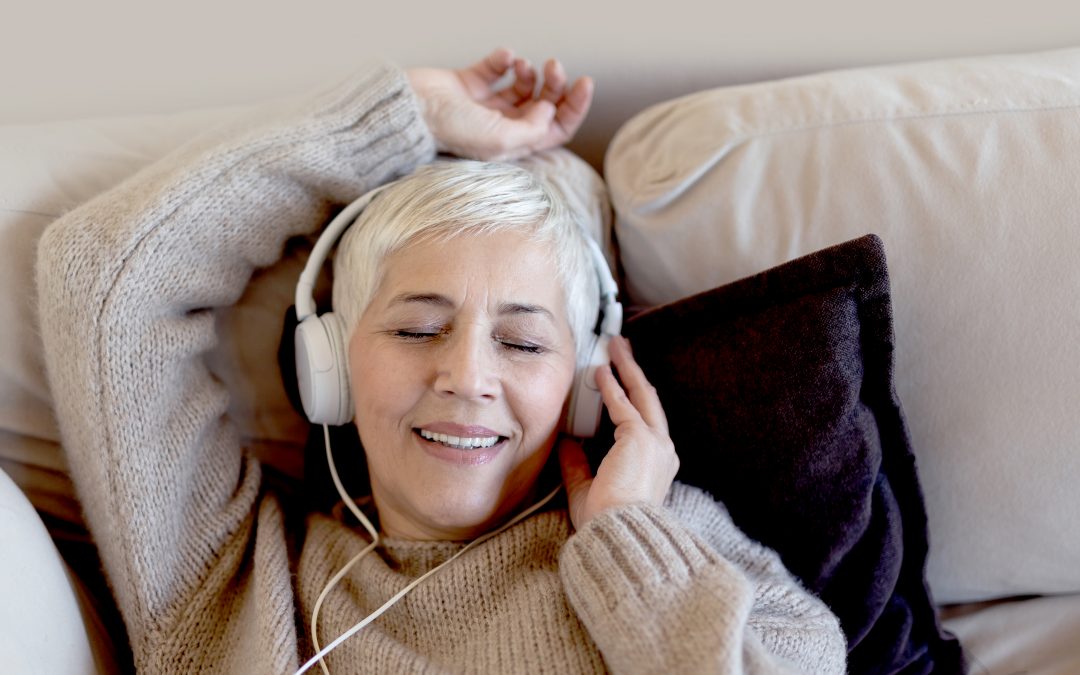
(470, 118)
(640, 466)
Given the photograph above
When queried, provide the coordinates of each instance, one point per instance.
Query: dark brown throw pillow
(780, 397)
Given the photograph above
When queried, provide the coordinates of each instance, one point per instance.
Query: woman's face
(460, 367)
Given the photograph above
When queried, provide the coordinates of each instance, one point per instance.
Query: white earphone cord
(318, 658)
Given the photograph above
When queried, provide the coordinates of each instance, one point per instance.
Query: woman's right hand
(641, 465)
(469, 118)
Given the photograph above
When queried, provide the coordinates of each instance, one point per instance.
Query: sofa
(965, 168)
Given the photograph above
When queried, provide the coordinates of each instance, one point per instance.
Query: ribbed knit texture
(196, 550)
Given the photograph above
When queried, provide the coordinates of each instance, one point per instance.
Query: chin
(469, 508)
(465, 506)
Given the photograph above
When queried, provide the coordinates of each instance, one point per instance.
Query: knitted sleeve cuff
(639, 555)
(653, 595)
(657, 596)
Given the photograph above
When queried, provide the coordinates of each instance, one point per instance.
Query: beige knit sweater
(196, 549)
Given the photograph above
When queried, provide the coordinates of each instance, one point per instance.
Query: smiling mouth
(460, 442)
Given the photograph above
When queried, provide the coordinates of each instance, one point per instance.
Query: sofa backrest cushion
(968, 171)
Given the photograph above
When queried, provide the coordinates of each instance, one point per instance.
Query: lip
(473, 457)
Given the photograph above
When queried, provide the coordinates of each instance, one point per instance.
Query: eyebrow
(423, 298)
(521, 308)
(443, 301)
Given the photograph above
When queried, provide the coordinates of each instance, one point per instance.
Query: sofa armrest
(46, 623)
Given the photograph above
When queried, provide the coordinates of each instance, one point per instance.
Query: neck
(396, 525)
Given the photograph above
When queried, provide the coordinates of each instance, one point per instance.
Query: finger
(554, 81)
(492, 67)
(573, 108)
(642, 394)
(620, 409)
(528, 132)
(577, 477)
(538, 125)
(524, 83)
(576, 472)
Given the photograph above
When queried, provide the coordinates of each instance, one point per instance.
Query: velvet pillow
(779, 392)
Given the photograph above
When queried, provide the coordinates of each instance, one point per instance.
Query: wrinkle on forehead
(439, 300)
(513, 273)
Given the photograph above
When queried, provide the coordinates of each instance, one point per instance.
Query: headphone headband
(611, 315)
(610, 309)
(305, 287)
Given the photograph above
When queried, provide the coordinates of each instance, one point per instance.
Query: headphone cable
(318, 658)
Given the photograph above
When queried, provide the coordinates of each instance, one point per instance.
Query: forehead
(495, 267)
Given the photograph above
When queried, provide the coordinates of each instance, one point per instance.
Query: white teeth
(459, 442)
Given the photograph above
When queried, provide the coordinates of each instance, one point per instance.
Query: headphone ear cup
(322, 371)
(336, 329)
(586, 402)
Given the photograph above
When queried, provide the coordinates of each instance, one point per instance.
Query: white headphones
(321, 343)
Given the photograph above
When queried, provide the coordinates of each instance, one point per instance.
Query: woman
(460, 336)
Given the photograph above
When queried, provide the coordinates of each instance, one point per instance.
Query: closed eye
(522, 347)
(427, 335)
(416, 335)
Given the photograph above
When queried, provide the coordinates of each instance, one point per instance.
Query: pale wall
(73, 59)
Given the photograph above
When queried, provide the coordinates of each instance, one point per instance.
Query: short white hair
(444, 199)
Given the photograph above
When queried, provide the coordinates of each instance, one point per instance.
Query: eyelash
(528, 349)
(410, 335)
(425, 337)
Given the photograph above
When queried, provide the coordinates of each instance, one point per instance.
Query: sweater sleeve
(127, 287)
(658, 595)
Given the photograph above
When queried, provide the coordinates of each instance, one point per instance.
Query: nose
(467, 366)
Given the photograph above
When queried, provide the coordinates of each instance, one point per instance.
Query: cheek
(538, 397)
(381, 386)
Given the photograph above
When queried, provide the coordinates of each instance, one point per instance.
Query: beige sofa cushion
(969, 172)
(45, 171)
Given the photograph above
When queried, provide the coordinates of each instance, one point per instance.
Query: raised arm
(127, 287)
